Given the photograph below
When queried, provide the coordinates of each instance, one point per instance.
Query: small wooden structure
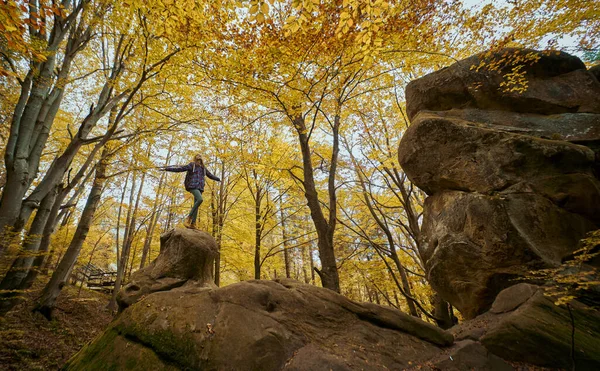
(96, 278)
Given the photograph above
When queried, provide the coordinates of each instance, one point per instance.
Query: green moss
(113, 352)
(179, 349)
(92, 356)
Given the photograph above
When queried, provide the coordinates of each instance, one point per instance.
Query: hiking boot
(188, 223)
(193, 225)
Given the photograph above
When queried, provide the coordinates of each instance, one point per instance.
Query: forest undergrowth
(28, 341)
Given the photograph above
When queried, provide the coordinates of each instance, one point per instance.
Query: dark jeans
(197, 201)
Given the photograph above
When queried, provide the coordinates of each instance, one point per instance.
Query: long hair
(198, 160)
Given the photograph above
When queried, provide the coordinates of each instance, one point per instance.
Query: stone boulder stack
(174, 318)
(186, 258)
(512, 176)
(262, 325)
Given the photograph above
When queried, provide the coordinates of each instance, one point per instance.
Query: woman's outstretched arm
(177, 169)
(211, 176)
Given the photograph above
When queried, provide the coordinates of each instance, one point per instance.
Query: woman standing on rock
(194, 183)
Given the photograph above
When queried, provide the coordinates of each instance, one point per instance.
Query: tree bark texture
(325, 228)
(19, 276)
(51, 291)
(40, 99)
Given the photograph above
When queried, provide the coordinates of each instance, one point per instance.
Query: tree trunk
(57, 281)
(218, 213)
(127, 241)
(15, 281)
(383, 226)
(257, 232)
(324, 228)
(286, 252)
(130, 270)
(156, 209)
(41, 96)
(119, 220)
(405, 284)
(59, 212)
(155, 213)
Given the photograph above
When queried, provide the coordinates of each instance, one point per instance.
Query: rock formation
(261, 325)
(513, 185)
(525, 326)
(174, 318)
(512, 177)
(186, 257)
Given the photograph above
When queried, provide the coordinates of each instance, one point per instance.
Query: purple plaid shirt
(194, 179)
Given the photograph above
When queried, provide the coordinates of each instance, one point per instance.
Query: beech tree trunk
(127, 240)
(156, 210)
(15, 281)
(257, 233)
(286, 252)
(51, 291)
(325, 227)
(218, 205)
(34, 116)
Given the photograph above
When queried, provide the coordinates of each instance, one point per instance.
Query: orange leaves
(13, 26)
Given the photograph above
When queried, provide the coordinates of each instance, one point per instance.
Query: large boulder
(556, 83)
(512, 176)
(440, 153)
(526, 326)
(579, 128)
(261, 325)
(186, 257)
(476, 245)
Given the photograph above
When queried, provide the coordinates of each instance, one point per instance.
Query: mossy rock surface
(260, 325)
(114, 352)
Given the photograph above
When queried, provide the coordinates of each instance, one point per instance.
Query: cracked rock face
(187, 258)
(524, 325)
(261, 325)
(512, 179)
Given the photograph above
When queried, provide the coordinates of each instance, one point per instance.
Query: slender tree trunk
(119, 220)
(286, 252)
(257, 232)
(405, 284)
(57, 213)
(133, 230)
(170, 214)
(127, 242)
(57, 281)
(383, 226)
(49, 229)
(130, 270)
(312, 264)
(218, 212)
(155, 212)
(324, 228)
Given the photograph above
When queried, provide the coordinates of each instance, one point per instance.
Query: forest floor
(28, 341)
